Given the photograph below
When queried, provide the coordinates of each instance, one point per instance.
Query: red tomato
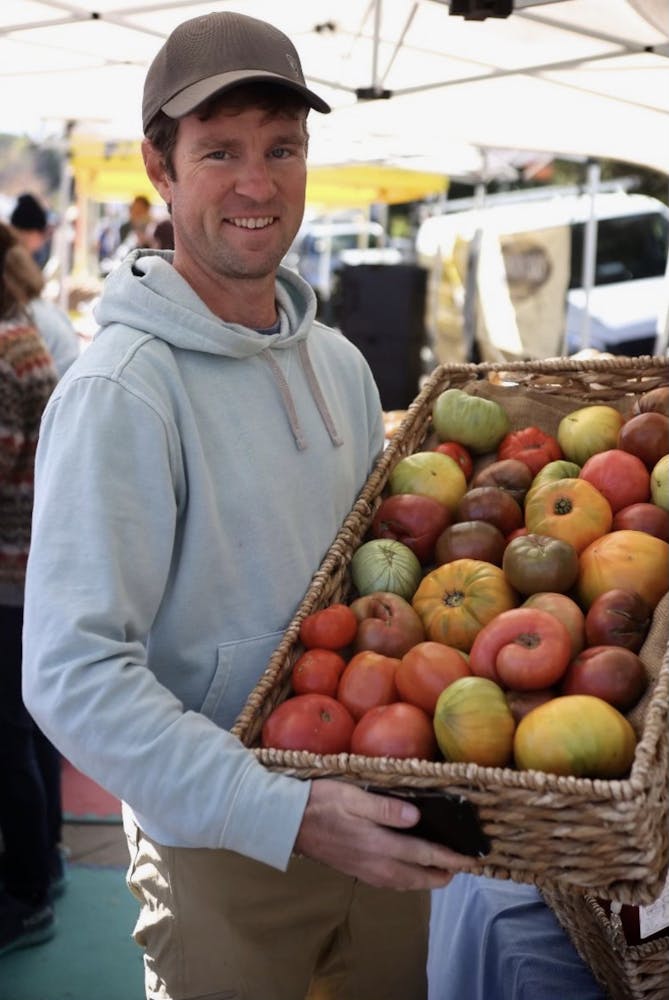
(619, 476)
(532, 446)
(524, 649)
(396, 730)
(460, 454)
(318, 671)
(426, 670)
(330, 628)
(368, 681)
(313, 722)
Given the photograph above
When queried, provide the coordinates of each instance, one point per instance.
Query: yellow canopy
(115, 172)
(361, 184)
(110, 172)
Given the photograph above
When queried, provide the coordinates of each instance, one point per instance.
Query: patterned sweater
(27, 379)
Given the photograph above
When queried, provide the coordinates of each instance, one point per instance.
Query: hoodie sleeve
(109, 486)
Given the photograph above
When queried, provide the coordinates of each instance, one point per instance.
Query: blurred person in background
(135, 231)
(31, 869)
(27, 283)
(163, 235)
(31, 221)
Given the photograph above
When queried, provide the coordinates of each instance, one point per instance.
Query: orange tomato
(368, 681)
(631, 560)
(575, 734)
(456, 600)
(426, 670)
(570, 509)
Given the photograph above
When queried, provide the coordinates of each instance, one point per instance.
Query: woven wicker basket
(611, 837)
(628, 972)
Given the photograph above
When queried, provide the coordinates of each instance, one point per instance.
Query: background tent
(571, 77)
(108, 171)
(410, 84)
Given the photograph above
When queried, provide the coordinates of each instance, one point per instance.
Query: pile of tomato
(501, 597)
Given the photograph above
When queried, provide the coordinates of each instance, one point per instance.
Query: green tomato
(589, 430)
(477, 423)
(429, 474)
(384, 564)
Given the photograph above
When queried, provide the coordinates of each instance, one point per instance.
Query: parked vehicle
(542, 243)
(321, 247)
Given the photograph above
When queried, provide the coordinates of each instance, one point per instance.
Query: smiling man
(194, 466)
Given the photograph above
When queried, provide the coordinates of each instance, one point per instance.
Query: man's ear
(156, 171)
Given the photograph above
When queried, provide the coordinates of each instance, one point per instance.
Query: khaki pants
(219, 926)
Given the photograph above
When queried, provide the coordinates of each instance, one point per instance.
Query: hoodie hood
(146, 293)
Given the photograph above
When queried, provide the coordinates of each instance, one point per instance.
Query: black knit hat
(215, 52)
(29, 214)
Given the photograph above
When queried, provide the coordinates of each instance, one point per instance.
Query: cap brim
(190, 98)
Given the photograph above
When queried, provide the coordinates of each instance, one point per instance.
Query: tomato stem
(454, 598)
(529, 640)
(563, 506)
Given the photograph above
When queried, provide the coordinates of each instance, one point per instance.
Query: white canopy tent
(411, 85)
(572, 77)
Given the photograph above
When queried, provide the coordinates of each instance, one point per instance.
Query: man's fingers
(389, 810)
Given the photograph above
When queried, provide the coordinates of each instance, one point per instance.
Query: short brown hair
(162, 131)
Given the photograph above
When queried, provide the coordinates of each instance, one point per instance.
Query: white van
(542, 255)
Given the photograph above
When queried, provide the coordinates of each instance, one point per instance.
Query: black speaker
(381, 309)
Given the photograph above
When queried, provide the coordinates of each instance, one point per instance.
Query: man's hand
(351, 830)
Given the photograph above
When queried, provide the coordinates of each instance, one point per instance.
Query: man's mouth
(253, 223)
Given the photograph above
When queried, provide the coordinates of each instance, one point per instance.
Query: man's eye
(218, 154)
(281, 153)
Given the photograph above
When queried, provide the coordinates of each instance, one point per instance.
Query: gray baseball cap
(216, 52)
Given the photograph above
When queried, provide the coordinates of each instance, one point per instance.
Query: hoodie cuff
(265, 818)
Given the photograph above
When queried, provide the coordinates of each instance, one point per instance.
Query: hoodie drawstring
(316, 393)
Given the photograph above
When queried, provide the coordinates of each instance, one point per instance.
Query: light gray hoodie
(191, 475)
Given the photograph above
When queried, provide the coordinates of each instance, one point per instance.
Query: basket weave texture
(610, 837)
(628, 972)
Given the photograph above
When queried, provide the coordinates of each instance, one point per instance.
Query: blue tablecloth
(492, 939)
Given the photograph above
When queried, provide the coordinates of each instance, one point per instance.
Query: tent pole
(63, 253)
(376, 86)
(589, 250)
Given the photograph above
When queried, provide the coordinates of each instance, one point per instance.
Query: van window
(628, 247)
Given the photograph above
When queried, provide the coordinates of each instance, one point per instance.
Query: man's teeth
(253, 223)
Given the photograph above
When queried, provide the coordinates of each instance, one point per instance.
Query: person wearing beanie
(194, 466)
(31, 223)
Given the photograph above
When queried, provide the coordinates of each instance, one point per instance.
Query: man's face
(238, 193)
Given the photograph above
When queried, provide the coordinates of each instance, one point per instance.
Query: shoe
(23, 925)
(59, 875)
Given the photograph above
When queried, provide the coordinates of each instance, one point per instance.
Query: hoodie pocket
(239, 666)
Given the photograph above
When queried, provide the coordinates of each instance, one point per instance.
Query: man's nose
(255, 180)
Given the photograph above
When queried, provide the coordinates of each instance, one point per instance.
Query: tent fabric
(568, 77)
(107, 172)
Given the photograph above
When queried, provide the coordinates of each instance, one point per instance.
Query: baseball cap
(216, 52)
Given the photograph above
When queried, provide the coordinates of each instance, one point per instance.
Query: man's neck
(250, 302)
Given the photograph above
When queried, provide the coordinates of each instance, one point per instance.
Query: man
(194, 467)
